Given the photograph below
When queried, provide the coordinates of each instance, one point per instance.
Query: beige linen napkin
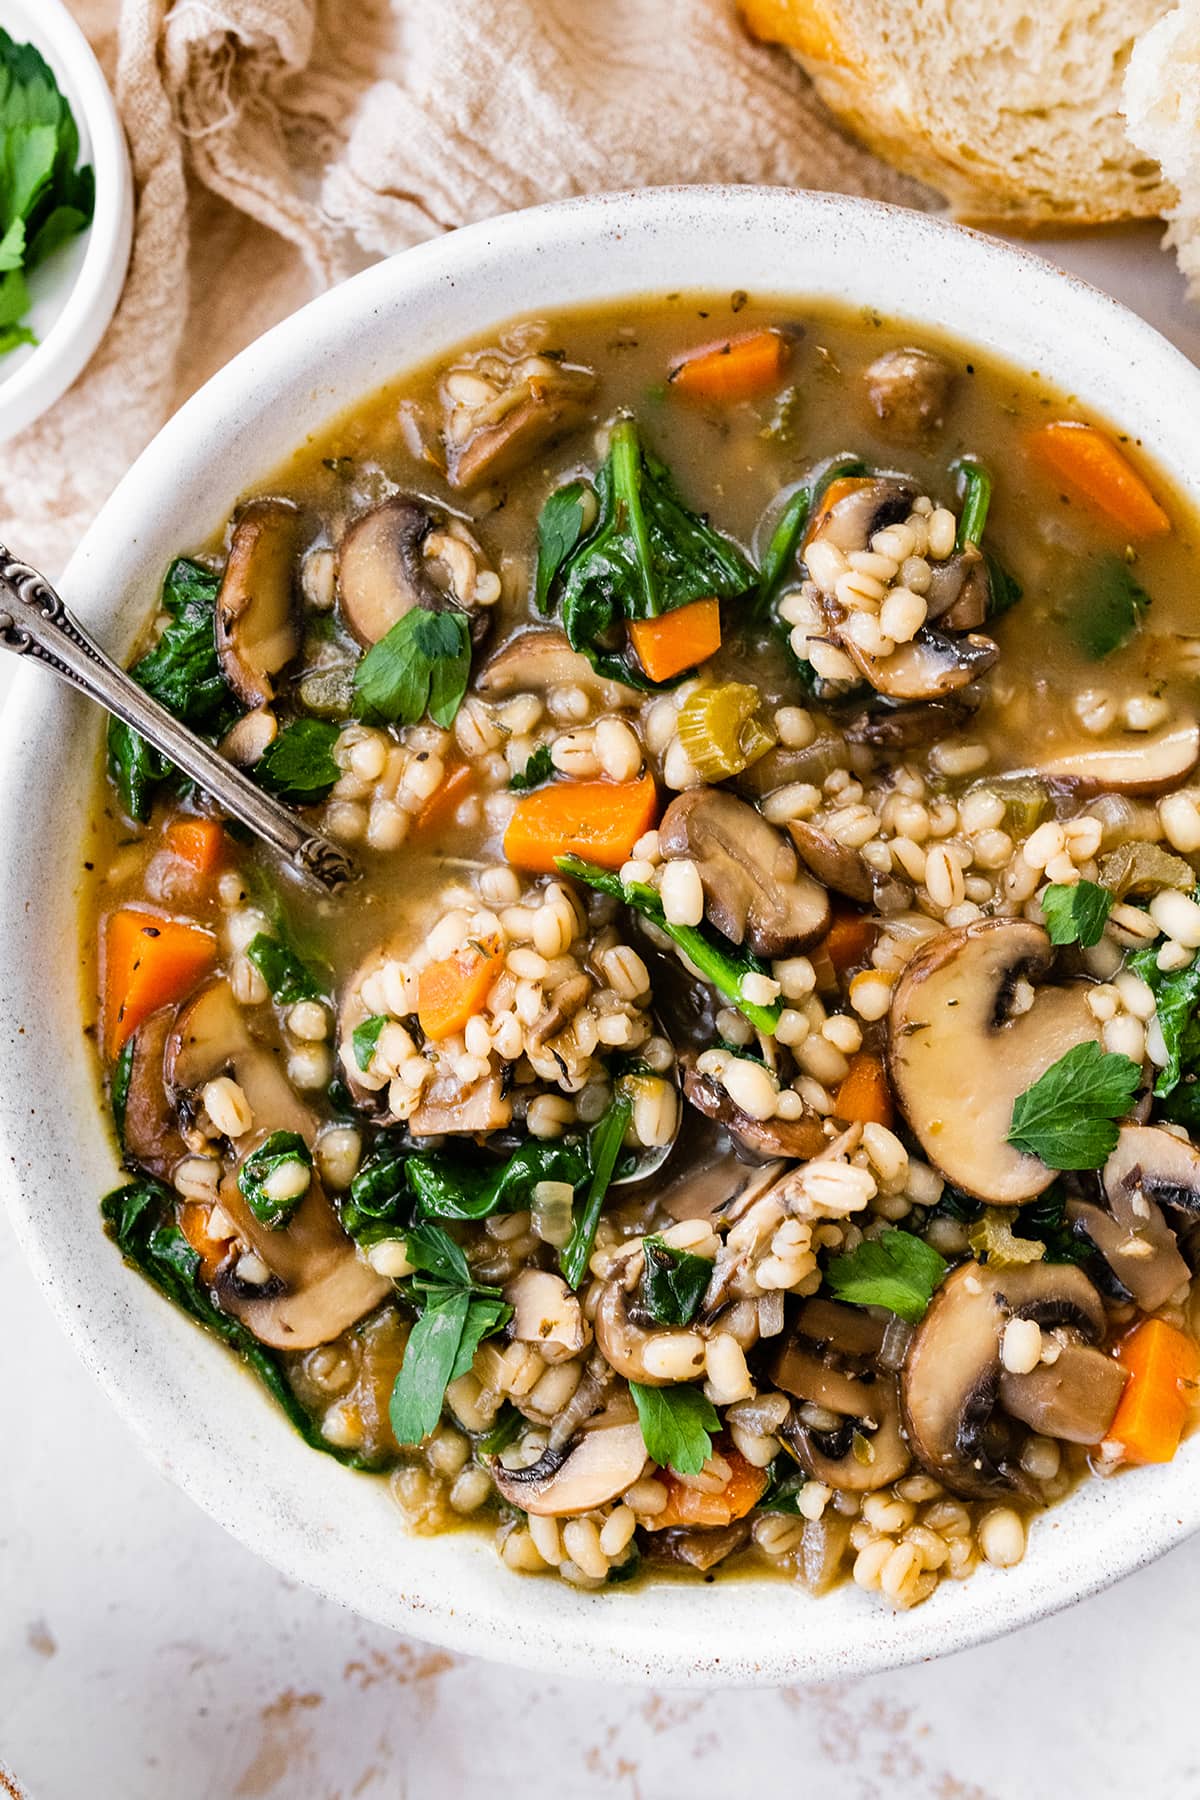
(279, 144)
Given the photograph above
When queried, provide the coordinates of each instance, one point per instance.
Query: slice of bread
(1162, 106)
(1010, 107)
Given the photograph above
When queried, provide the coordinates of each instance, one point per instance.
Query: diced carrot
(678, 639)
(848, 940)
(453, 990)
(865, 1096)
(148, 962)
(1163, 1366)
(201, 843)
(837, 490)
(689, 1506)
(734, 368)
(193, 1222)
(1088, 461)
(445, 797)
(600, 821)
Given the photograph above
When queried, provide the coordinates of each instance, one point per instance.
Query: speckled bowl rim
(202, 1420)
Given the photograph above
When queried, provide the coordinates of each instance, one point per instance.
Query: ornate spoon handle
(35, 623)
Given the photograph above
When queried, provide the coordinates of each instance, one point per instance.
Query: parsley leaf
(1107, 608)
(559, 528)
(1067, 1118)
(678, 1425)
(897, 1270)
(275, 1153)
(365, 1037)
(673, 1282)
(422, 664)
(539, 768)
(1076, 914)
(299, 764)
(44, 198)
(456, 1315)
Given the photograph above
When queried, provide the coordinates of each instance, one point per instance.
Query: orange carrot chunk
(148, 962)
(678, 639)
(734, 368)
(445, 797)
(865, 1097)
(1090, 463)
(1163, 1367)
(848, 940)
(600, 821)
(689, 1506)
(200, 843)
(453, 990)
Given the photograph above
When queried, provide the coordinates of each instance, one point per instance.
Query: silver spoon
(35, 623)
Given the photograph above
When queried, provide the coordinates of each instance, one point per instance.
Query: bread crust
(823, 39)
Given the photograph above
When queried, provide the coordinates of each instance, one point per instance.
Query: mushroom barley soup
(742, 1114)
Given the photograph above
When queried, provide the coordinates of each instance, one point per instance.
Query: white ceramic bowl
(206, 1423)
(75, 292)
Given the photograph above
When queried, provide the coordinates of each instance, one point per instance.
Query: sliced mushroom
(828, 1362)
(548, 1314)
(969, 1031)
(699, 1547)
(1073, 1398)
(866, 508)
(951, 1379)
(1153, 1162)
(211, 1035)
(714, 1188)
(959, 590)
(448, 1109)
(836, 865)
(933, 665)
(600, 1463)
(252, 735)
(381, 572)
(781, 766)
(795, 1139)
(545, 407)
(1148, 1166)
(911, 727)
(318, 1285)
(908, 389)
(256, 627)
(536, 660)
(1130, 762)
(150, 1132)
(753, 890)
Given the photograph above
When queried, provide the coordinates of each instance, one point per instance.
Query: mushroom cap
(795, 1139)
(1152, 1161)
(865, 507)
(1073, 1398)
(1148, 1166)
(537, 659)
(604, 1459)
(753, 890)
(951, 1378)
(547, 1313)
(381, 572)
(908, 389)
(932, 665)
(256, 629)
(150, 1133)
(959, 1057)
(552, 406)
(1129, 762)
(836, 865)
(211, 1034)
(828, 1361)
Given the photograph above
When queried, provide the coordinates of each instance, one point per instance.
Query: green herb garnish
(422, 665)
(897, 1270)
(299, 764)
(456, 1314)
(673, 1282)
(1076, 914)
(539, 768)
(364, 1039)
(1068, 1117)
(559, 528)
(678, 1425)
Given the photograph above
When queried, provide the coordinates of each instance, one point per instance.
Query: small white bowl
(203, 1420)
(75, 292)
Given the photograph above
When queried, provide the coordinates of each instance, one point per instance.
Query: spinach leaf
(182, 673)
(118, 1088)
(364, 1039)
(784, 1484)
(785, 540)
(448, 1186)
(646, 554)
(678, 1425)
(559, 529)
(377, 1203)
(279, 1152)
(1076, 914)
(1177, 998)
(141, 1218)
(1068, 1117)
(975, 487)
(673, 1282)
(299, 764)
(288, 977)
(506, 1430)
(897, 1270)
(1106, 608)
(722, 964)
(604, 1147)
(539, 768)
(422, 664)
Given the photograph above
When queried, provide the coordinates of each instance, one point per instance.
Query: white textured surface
(143, 1653)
